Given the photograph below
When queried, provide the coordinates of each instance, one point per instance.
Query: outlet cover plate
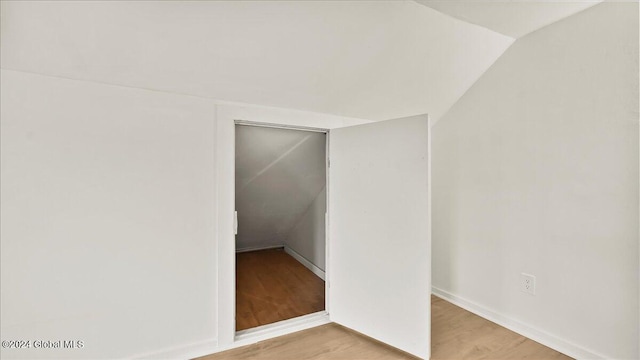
(528, 283)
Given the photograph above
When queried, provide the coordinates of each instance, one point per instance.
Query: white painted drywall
(368, 59)
(279, 173)
(108, 214)
(307, 237)
(536, 170)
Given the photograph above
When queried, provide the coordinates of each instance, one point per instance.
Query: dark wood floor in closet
(272, 286)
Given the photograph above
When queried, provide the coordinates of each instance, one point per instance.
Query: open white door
(379, 226)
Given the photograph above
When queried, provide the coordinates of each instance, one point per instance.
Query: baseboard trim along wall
(308, 264)
(243, 338)
(258, 248)
(182, 352)
(544, 338)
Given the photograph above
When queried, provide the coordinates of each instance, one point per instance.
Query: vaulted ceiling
(512, 18)
(366, 59)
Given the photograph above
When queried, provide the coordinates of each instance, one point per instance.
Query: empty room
(371, 179)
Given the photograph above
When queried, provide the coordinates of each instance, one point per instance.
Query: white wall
(536, 170)
(108, 211)
(116, 217)
(279, 173)
(307, 237)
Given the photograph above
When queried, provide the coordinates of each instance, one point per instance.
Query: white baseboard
(258, 248)
(544, 338)
(185, 352)
(243, 338)
(308, 264)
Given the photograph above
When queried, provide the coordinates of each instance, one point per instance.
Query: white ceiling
(279, 173)
(366, 59)
(514, 18)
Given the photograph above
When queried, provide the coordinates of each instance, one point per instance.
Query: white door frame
(320, 316)
(226, 117)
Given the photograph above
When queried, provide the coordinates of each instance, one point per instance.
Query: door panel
(379, 226)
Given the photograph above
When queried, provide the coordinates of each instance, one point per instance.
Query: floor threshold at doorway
(283, 327)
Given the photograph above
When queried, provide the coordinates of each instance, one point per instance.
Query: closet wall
(280, 190)
(307, 237)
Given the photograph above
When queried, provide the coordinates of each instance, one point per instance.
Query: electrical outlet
(528, 283)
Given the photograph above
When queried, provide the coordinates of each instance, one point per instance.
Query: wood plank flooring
(456, 334)
(459, 334)
(326, 342)
(272, 286)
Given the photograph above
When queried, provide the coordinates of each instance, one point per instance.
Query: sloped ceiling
(514, 18)
(366, 59)
(278, 175)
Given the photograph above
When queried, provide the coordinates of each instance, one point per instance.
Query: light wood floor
(272, 286)
(456, 334)
(459, 334)
(326, 342)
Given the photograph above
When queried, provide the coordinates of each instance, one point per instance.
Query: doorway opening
(281, 202)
